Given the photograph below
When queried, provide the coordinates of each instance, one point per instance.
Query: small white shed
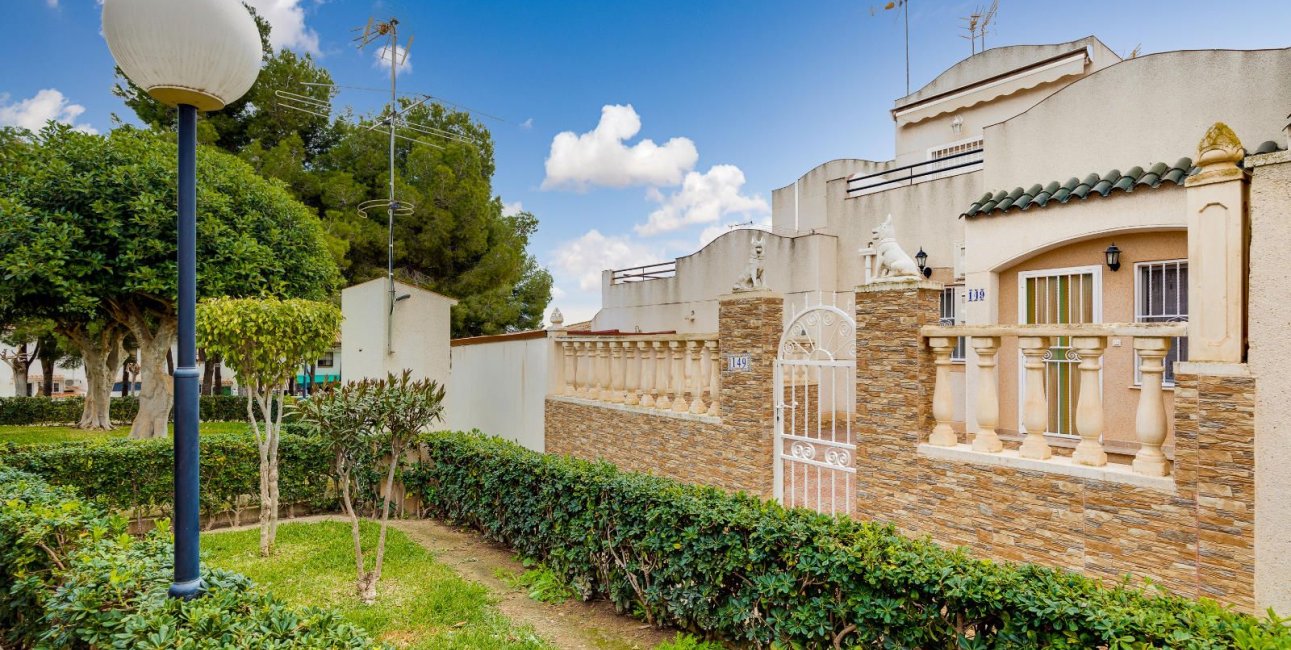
(377, 338)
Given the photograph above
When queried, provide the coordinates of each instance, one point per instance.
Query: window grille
(951, 314)
(326, 360)
(1161, 296)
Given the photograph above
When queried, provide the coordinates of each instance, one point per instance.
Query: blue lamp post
(196, 55)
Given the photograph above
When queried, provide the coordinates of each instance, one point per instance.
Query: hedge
(71, 578)
(136, 476)
(737, 568)
(67, 410)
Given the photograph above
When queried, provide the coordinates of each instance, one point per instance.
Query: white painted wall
(500, 387)
(422, 323)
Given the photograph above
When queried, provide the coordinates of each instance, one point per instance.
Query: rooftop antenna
(394, 120)
(986, 21)
(977, 24)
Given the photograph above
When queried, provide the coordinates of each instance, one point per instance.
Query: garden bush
(71, 578)
(749, 571)
(67, 410)
(136, 476)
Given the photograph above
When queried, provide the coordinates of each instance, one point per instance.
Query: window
(326, 360)
(1161, 296)
(951, 315)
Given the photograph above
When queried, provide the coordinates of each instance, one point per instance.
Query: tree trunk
(125, 379)
(156, 392)
(47, 352)
(208, 372)
(20, 368)
(268, 444)
(219, 378)
(101, 354)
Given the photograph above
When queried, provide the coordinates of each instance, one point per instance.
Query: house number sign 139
(976, 295)
(738, 363)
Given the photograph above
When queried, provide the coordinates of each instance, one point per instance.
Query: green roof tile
(1074, 188)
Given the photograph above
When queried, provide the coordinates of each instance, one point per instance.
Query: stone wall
(731, 451)
(1196, 540)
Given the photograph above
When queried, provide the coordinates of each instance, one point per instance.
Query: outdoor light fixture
(921, 258)
(194, 55)
(1113, 257)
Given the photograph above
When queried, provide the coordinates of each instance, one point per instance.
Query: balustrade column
(700, 378)
(1089, 407)
(631, 373)
(616, 372)
(1150, 423)
(714, 378)
(647, 373)
(1035, 406)
(943, 405)
(602, 371)
(679, 404)
(664, 374)
(568, 363)
(988, 400)
(582, 373)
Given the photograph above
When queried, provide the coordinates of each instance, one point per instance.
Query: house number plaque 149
(738, 362)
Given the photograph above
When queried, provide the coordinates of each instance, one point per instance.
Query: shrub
(70, 577)
(67, 410)
(136, 476)
(735, 567)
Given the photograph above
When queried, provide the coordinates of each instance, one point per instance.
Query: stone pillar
(678, 369)
(988, 396)
(699, 364)
(1217, 241)
(664, 374)
(714, 377)
(602, 371)
(750, 323)
(1089, 403)
(568, 362)
(646, 352)
(617, 361)
(631, 374)
(943, 405)
(583, 372)
(895, 377)
(1150, 423)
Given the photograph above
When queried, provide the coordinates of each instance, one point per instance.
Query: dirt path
(572, 625)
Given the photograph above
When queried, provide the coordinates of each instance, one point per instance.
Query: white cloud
(703, 198)
(600, 157)
(45, 105)
(512, 209)
(584, 258)
(287, 21)
(53, 4)
(381, 58)
(527, 124)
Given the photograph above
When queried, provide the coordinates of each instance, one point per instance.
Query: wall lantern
(1113, 257)
(196, 55)
(921, 258)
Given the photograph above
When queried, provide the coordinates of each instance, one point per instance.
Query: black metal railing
(643, 273)
(938, 166)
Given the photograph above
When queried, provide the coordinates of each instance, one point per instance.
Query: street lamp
(194, 55)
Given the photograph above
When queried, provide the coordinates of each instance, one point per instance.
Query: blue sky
(738, 98)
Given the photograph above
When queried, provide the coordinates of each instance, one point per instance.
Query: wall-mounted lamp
(1113, 255)
(921, 258)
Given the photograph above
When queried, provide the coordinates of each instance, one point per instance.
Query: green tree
(264, 340)
(457, 241)
(90, 227)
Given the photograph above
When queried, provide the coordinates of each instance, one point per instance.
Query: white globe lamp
(193, 55)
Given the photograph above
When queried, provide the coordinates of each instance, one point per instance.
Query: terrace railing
(677, 373)
(956, 163)
(643, 273)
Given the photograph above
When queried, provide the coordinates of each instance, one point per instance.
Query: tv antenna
(396, 122)
(977, 24)
(904, 6)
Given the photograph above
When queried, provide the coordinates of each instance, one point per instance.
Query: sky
(635, 131)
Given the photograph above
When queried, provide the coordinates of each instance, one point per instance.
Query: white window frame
(331, 360)
(956, 317)
(1097, 314)
(1166, 380)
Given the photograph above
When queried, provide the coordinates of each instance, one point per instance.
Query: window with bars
(1161, 296)
(951, 315)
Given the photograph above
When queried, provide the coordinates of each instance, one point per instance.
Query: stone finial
(1218, 153)
(557, 319)
(751, 279)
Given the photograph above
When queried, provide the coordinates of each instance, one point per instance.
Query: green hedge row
(734, 567)
(136, 476)
(67, 410)
(71, 578)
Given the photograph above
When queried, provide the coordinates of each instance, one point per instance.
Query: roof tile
(1074, 188)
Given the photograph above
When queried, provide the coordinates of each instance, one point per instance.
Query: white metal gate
(815, 399)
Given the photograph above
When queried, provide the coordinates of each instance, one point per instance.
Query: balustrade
(676, 373)
(1088, 342)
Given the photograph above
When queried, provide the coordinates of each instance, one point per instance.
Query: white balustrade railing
(678, 373)
(1151, 343)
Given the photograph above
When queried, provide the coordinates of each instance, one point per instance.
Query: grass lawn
(421, 604)
(40, 434)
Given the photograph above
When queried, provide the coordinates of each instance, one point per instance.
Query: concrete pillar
(1217, 235)
(750, 323)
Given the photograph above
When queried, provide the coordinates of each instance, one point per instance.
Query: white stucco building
(377, 339)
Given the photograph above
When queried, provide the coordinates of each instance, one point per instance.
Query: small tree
(385, 414)
(264, 340)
